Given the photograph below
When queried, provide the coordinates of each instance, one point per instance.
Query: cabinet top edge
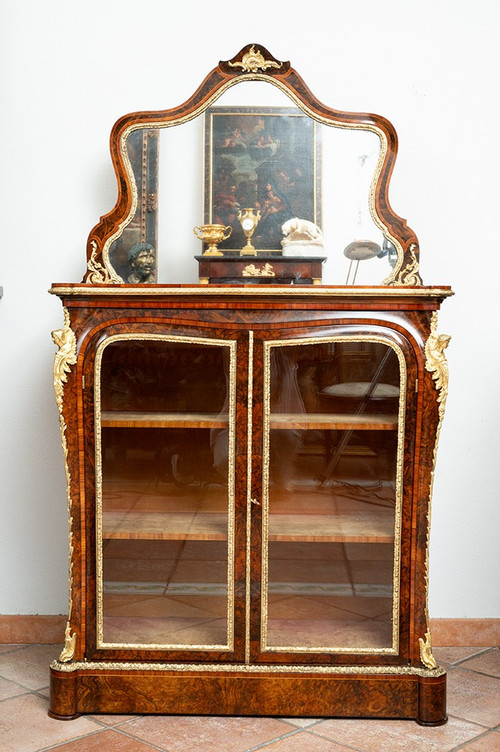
(295, 291)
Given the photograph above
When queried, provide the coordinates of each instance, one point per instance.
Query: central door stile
(249, 497)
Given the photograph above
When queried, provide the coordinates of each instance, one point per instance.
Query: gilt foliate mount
(254, 61)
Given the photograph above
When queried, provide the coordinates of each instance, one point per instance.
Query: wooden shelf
(304, 421)
(344, 528)
(119, 419)
(334, 421)
(164, 526)
(338, 528)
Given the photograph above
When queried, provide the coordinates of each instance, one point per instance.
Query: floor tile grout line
(138, 739)
(486, 731)
(475, 671)
(481, 673)
(150, 745)
(146, 744)
(14, 697)
(336, 741)
(18, 648)
(293, 732)
(22, 686)
(473, 723)
(471, 741)
(315, 722)
(357, 749)
(276, 739)
(119, 729)
(481, 651)
(21, 693)
(116, 725)
(306, 729)
(70, 741)
(39, 694)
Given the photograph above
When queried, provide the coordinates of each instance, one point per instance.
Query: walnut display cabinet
(249, 466)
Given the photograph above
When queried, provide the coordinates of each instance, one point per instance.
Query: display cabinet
(249, 465)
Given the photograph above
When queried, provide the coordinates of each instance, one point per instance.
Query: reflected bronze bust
(142, 260)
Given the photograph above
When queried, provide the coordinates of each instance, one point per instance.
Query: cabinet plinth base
(434, 723)
(367, 694)
(63, 717)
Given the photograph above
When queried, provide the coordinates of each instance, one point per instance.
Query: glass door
(165, 493)
(333, 444)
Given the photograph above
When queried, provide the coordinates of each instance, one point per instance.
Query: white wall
(69, 69)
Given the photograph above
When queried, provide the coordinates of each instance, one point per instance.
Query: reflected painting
(265, 158)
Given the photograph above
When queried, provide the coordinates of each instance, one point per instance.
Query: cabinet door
(333, 585)
(166, 573)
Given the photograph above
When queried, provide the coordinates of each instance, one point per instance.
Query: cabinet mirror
(253, 139)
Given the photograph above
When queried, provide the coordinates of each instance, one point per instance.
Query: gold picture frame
(266, 158)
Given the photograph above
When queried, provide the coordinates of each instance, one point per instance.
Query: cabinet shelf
(126, 419)
(338, 528)
(335, 421)
(296, 528)
(118, 525)
(304, 421)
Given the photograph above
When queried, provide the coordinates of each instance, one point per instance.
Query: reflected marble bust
(142, 261)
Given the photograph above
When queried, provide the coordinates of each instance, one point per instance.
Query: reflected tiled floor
(473, 707)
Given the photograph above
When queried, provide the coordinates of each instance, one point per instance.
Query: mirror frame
(253, 63)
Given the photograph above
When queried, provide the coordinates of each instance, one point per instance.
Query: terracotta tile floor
(473, 707)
